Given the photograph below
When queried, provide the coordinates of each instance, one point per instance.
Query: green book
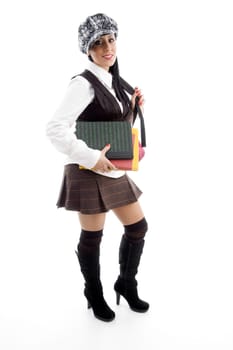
(98, 134)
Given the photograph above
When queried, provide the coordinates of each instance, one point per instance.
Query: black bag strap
(137, 111)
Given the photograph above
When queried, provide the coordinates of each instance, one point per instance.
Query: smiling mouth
(108, 57)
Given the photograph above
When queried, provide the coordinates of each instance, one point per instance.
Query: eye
(97, 43)
(111, 40)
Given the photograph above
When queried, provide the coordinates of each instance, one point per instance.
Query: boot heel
(118, 298)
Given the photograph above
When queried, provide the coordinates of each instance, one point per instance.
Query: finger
(106, 148)
(141, 100)
(110, 166)
(138, 91)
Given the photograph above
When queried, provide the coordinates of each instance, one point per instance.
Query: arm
(60, 128)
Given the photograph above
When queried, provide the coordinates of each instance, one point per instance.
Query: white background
(180, 54)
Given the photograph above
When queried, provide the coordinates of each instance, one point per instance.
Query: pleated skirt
(90, 193)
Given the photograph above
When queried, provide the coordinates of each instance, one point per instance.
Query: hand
(103, 164)
(141, 101)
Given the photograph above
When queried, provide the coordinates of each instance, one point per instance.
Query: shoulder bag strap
(137, 111)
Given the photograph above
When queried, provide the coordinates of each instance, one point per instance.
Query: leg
(129, 214)
(130, 252)
(94, 222)
(88, 252)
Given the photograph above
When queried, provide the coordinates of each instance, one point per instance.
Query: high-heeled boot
(126, 284)
(93, 291)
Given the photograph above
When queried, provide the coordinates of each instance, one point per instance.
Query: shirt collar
(101, 73)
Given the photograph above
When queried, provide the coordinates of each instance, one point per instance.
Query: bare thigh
(92, 222)
(129, 214)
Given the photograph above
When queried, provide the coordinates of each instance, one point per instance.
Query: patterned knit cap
(93, 28)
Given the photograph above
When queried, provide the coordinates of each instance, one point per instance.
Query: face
(103, 51)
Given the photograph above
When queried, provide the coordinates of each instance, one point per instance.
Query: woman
(98, 94)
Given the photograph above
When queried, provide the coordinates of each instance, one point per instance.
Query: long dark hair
(118, 88)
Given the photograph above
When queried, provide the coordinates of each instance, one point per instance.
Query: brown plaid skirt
(91, 193)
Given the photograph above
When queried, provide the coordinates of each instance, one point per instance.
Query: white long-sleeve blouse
(60, 129)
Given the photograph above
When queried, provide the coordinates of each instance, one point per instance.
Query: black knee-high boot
(88, 254)
(130, 252)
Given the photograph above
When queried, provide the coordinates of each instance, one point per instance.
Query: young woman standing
(99, 94)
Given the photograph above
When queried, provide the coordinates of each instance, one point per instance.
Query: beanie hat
(93, 28)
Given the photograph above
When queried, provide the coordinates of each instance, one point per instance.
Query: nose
(107, 45)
